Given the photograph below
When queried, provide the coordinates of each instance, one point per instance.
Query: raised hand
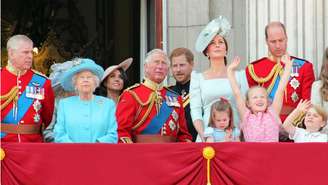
(234, 64)
(304, 105)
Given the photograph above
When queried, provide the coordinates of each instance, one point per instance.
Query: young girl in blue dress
(221, 128)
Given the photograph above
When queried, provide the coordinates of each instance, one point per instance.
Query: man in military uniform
(267, 70)
(149, 112)
(182, 62)
(27, 99)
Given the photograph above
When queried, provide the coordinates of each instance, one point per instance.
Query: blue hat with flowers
(57, 71)
(219, 26)
(79, 64)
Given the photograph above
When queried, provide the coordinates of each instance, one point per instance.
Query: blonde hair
(321, 111)
(253, 88)
(222, 105)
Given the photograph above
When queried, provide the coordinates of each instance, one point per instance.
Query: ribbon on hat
(59, 68)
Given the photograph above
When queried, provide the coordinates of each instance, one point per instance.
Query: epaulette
(255, 61)
(39, 73)
(133, 86)
(168, 88)
(302, 59)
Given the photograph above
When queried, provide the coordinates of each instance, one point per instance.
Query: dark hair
(103, 89)
(221, 105)
(324, 76)
(226, 45)
(124, 77)
(182, 51)
(274, 24)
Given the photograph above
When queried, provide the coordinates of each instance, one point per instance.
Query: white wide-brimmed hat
(81, 64)
(219, 26)
(124, 65)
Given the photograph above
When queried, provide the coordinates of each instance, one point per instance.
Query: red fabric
(129, 112)
(8, 81)
(263, 67)
(164, 164)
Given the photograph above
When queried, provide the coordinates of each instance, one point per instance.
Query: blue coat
(81, 121)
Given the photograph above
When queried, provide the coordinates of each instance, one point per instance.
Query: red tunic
(293, 95)
(8, 81)
(129, 112)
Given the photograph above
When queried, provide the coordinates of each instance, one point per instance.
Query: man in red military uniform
(27, 99)
(266, 71)
(149, 112)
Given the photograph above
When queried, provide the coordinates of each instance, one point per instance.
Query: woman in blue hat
(208, 86)
(85, 118)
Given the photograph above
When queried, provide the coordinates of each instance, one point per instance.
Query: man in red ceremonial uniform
(267, 70)
(27, 99)
(149, 112)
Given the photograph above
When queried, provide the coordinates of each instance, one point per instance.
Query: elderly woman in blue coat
(85, 118)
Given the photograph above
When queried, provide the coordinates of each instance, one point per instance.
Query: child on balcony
(259, 121)
(221, 127)
(314, 120)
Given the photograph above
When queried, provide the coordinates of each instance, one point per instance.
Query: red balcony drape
(163, 164)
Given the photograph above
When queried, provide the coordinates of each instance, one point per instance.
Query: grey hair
(95, 77)
(15, 40)
(150, 54)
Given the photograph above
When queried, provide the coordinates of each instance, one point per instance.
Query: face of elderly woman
(114, 81)
(85, 82)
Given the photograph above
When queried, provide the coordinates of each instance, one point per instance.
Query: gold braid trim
(261, 80)
(9, 97)
(150, 102)
(299, 119)
(275, 71)
(136, 97)
(279, 72)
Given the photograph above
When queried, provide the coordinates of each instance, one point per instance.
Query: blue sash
(297, 63)
(23, 103)
(158, 121)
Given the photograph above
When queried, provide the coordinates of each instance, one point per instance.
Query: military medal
(172, 125)
(294, 72)
(294, 83)
(29, 92)
(294, 97)
(172, 101)
(183, 94)
(37, 106)
(35, 92)
(36, 118)
(175, 115)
